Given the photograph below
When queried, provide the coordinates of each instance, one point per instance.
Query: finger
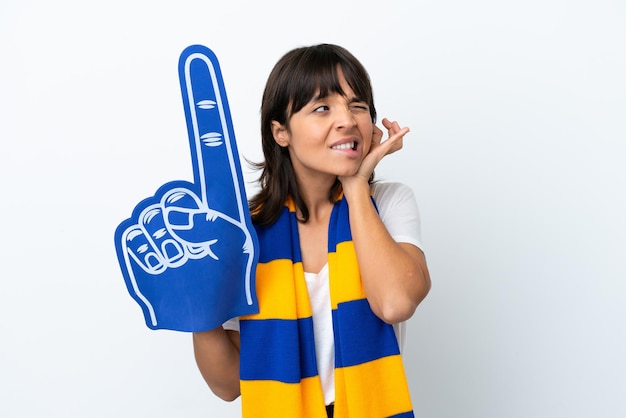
(392, 127)
(216, 164)
(396, 141)
(387, 124)
(171, 252)
(130, 244)
(187, 221)
(138, 247)
(396, 135)
(401, 132)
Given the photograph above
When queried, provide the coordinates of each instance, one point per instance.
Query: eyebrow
(357, 99)
(353, 99)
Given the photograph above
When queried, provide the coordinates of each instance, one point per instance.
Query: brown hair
(297, 77)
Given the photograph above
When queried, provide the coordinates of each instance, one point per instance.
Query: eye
(320, 109)
(359, 106)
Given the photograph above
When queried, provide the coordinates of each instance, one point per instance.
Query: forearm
(395, 276)
(217, 357)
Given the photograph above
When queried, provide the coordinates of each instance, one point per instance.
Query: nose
(345, 118)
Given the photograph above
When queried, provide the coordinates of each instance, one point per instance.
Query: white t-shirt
(399, 213)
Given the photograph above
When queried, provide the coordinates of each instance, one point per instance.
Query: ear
(281, 136)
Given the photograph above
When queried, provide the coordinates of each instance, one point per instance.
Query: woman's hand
(379, 149)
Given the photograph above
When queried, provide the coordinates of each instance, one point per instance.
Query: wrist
(355, 189)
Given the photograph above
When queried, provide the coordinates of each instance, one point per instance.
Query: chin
(348, 173)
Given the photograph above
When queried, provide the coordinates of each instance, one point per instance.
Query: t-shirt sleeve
(231, 325)
(399, 212)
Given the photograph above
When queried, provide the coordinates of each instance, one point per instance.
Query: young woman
(340, 267)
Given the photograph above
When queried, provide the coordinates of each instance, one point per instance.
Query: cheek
(367, 139)
(367, 145)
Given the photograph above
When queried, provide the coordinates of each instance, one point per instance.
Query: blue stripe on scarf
(339, 226)
(363, 336)
(295, 340)
(272, 239)
(404, 415)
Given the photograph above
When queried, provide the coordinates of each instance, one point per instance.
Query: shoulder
(399, 212)
(391, 193)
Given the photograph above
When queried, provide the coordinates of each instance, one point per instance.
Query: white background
(516, 154)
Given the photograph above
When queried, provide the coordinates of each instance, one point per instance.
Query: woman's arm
(217, 357)
(395, 275)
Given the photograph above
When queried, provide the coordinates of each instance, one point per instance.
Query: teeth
(349, 145)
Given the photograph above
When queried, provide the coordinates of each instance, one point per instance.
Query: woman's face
(329, 136)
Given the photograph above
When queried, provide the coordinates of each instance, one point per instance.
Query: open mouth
(347, 145)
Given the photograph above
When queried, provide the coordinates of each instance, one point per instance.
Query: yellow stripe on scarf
(271, 399)
(344, 264)
(293, 297)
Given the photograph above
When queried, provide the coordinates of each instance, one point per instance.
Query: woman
(340, 268)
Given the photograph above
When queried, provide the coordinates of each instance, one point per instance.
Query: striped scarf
(279, 375)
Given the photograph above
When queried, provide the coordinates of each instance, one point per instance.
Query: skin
(394, 275)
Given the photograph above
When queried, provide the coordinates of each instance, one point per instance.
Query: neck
(315, 196)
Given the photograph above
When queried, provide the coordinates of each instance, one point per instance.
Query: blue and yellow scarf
(279, 375)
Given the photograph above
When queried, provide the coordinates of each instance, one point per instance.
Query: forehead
(342, 88)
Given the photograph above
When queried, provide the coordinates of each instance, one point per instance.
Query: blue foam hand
(189, 253)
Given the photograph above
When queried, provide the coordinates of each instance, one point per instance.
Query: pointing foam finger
(217, 172)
